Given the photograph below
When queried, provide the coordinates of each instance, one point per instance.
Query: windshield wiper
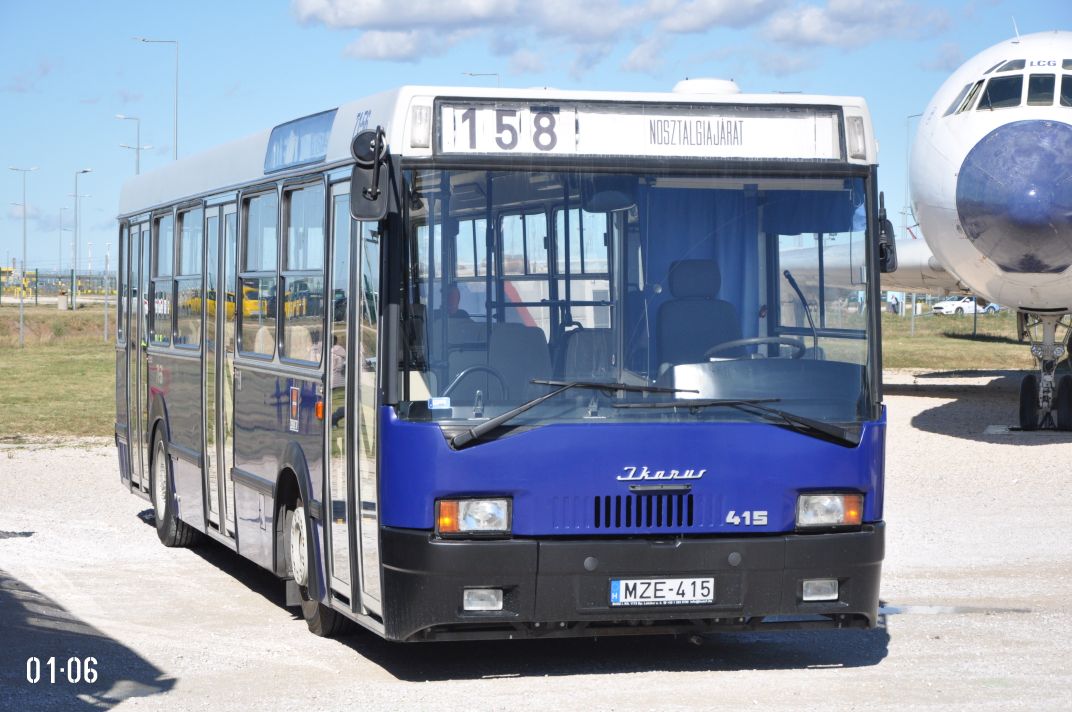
(755, 406)
(475, 433)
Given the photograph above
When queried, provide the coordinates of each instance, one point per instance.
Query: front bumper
(560, 587)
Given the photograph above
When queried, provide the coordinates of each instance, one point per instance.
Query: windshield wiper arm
(799, 423)
(475, 433)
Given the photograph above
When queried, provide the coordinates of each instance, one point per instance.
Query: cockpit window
(956, 102)
(1012, 65)
(970, 99)
(1066, 90)
(1040, 89)
(1002, 92)
(994, 67)
(1067, 64)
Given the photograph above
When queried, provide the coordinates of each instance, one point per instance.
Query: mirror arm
(373, 192)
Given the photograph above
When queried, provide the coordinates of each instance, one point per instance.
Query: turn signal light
(829, 510)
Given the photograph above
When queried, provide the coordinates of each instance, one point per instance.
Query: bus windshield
(746, 287)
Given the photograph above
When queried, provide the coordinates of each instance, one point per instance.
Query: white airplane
(991, 187)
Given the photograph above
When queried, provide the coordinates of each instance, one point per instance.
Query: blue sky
(66, 69)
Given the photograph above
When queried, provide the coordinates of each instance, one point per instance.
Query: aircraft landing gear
(1045, 402)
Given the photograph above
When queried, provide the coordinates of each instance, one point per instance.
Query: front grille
(643, 511)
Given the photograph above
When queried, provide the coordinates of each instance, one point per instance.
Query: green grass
(945, 343)
(63, 381)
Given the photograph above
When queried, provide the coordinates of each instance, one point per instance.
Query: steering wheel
(474, 369)
(797, 344)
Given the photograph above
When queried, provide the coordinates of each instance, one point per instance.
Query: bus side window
(257, 279)
(162, 284)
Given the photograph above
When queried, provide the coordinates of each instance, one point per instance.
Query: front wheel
(960, 311)
(171, 530)
(322, 620)
(1029, 403)
(1064, 403)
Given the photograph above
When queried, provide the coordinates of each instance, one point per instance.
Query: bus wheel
(322, 620)
(171, 530)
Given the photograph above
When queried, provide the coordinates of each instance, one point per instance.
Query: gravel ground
(976, 600)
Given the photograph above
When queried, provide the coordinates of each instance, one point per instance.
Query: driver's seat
(695, 319)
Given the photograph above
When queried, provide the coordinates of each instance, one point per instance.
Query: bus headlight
(473, 516)
(829, 510)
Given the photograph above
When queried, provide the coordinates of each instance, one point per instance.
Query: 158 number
(508, 128)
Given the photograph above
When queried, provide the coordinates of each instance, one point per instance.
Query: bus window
(258, 277)
(303, 275)
(188, 281)
(162, 285)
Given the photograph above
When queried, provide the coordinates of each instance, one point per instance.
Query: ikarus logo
(633, 474)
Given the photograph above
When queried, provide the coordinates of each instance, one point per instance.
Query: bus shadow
(720, 652)
(242, 570)
(33, 625)
(980, 412)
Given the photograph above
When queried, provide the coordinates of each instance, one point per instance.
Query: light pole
(137, 141)
(59, 264)
(22, 286)
(498, 80)
(74, 287)
(176, 43)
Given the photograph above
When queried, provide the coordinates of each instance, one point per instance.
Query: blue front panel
(565, 479)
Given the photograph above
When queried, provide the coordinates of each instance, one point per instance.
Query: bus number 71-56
(506, 133)
(754, 518)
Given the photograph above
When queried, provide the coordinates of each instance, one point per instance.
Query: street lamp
(74, 287)
(137, 141)
(176, 43)
(498, 81)
(22, 290)
(62, 230)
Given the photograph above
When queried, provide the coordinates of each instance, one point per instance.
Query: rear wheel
(960, 311)
(322, 620)
(171, 530)
(1029, 405)
(1064, 403)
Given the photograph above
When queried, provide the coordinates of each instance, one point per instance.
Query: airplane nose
(1014, 196)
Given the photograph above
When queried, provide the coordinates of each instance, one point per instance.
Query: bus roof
(323, 139)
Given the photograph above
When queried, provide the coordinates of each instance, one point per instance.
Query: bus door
(352, 442)
(220, 304)
(137, 367)
(339, 429)
(365, 404)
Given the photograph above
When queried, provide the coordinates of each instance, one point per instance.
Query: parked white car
(963, 305)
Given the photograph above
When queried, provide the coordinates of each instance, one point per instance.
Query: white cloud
(525, 61)
(852, 23)
(944, 59)
(646, 57)
(391, 14)
(28, 80)
(701, 15)
(14, 212)
(781, 65)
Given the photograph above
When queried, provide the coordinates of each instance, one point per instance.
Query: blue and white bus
(491, 363)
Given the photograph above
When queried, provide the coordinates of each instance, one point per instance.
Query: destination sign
(721, 131)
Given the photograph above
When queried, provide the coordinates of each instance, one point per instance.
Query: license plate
(661, 592)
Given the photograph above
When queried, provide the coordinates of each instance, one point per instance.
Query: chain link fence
(51, 287)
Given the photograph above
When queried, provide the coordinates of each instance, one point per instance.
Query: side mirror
(887, 245)
(368, 194)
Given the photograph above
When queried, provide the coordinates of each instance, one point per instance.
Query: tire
(959, 311)
(1064, 403)
(1029, 406)
(171, 530)
(322, 620)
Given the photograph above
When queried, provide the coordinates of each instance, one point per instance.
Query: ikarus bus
(508, 363)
